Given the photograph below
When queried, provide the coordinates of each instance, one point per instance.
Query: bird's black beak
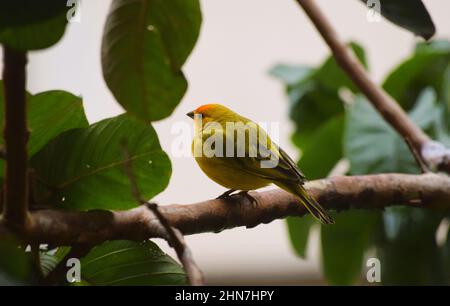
(190, 114)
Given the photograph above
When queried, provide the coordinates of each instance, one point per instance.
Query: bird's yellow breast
(226, 171)
(218, 169)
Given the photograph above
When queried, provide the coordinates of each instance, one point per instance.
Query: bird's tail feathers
(309, 202)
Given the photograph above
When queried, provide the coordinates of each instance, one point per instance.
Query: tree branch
(16, 137)
(434, 153)
(340, 193)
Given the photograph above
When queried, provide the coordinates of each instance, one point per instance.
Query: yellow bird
(236, 153)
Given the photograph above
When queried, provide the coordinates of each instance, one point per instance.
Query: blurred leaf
(289, 74)
(84, 168)
(425, 112)
(442, 124)
(344, 245)
(15, 265)
(62, 109)
(316, 161)
(298, 230)
(30, 24)
(331, 74)
(425, 68)
(314, 93)
(145, 43)
(372, 146)
(128, 263)
(318, 113)
(409, 14)
(408, 252)
(315, 105)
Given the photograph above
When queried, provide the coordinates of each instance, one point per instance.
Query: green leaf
(409, 14)
(316, 162)
(331, 75)
(314, 93)
(49, 114)
(126, 263)
(290, 74)
(372, 146)
(318, 113)
(298, 230)
(344, 245)
(84, 168)
(425, 68)
(15, 265)
(31, 25)
(408, 251)
(62, 109)
(145, 43)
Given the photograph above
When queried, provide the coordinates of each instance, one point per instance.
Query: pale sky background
(239, 42)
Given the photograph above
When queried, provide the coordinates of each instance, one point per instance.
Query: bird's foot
(226, 194)
(250, 198)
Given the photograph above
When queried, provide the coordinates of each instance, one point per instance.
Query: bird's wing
(256, 153)
(284, 168)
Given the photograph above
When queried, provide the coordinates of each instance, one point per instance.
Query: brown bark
(16, 137)
(339, 193)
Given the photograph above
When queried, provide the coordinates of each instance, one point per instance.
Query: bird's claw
(226, 194)
(252, 200)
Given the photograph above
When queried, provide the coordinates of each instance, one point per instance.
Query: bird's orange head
(211, 112)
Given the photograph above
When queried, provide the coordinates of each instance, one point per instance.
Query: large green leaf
(31, 25)
(145, 43)
(372, 145)
(409, 14)
(126, 263)
(84, 168)
(317, 110)
(344, 245)
(49, 114)
(425, 68)
(316, 161)
(314, 93)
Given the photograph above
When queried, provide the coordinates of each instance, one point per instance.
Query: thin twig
(174, 236)
(16, 138)
(419, 160)
(434, 153)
